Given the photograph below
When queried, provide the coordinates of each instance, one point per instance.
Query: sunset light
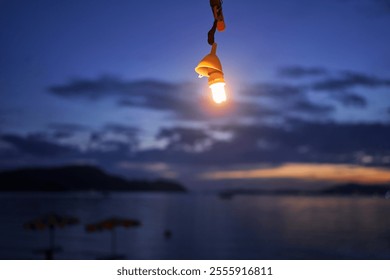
(340, 173)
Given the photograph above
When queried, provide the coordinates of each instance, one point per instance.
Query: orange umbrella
(111, 224)
(51, 222)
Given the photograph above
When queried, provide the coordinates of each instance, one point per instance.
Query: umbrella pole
(49, 254)
(113, 242)
(52, 238)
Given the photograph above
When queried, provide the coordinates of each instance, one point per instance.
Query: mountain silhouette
(338, 190)
(357, 189)
(77, 178)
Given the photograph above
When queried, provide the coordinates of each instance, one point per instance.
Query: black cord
(211, 33)
(217, 15)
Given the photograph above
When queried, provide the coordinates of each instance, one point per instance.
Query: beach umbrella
(51, 222)
(111, 224)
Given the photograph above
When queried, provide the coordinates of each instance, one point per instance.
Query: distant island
(78, 178)
(340, 190)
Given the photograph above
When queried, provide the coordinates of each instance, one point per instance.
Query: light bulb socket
(209, 64)
(216, 77)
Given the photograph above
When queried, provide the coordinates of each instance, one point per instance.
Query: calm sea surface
(201, 226)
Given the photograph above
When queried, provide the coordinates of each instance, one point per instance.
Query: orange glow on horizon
(342, 173)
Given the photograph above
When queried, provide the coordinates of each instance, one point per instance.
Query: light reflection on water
(323, 227)
(203, 226)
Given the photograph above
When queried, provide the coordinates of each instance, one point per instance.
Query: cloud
(274, 90)
(351, 100)
(309, 138)
(107, 86)
(180, 100)
(189, 151)
(304, 106)
(65, 130)
(337, 85)
(287, 100)
(297, 71)
(69, 140)
(201, 109)
(186, 101)
(159, 168)
(312, 142)
(338, 173)
(349, 80)
(332, 138)
(126, 130)
(296, 141)
(182, 138)
(35, 145)
(114, 137)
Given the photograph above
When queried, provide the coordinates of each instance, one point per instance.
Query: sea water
(199, 226)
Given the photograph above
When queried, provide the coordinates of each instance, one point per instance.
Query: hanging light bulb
(218, 92)
(211, 67)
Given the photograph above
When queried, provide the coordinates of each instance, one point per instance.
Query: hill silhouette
(357, 189)
(77, 178)
(339, 190)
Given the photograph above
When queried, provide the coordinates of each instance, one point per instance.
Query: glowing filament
(218, 92)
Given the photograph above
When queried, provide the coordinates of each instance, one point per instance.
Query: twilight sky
(112, 83)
